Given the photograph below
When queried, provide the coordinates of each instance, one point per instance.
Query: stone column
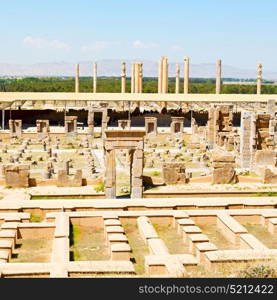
(186, 75)
(136, 77)
(110, 174)
(160, 76)
(136, 176)
(165, 75)
(177, 82)
(123, 77)
(211, 127)
(132, 78)
(259, 79)
(77, 85)
(90, 121)
(94, 77)
(66, 166)
(271, 107)
(140, 78)
(104, 124)
(246, 139)
(3, 119)
(218, 77)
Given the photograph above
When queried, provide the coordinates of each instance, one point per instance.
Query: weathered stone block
(174, 173)
(16, 175)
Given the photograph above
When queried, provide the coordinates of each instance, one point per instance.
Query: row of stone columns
(136, 77)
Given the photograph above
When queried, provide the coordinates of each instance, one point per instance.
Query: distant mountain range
(112, 67)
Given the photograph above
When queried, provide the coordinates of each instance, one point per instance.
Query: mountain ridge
(112, 67)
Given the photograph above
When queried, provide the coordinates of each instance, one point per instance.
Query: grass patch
(265, 194)
(36, 218)
(32, 250)
(155, 173)
(100, 187)
(172, 239)
(88, 243)
(139, 248)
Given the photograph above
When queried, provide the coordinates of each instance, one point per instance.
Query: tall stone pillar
(132, 78)
(160, 76)
(140, 78)
(104, 124)
(177, 83)
(3, 119)
(211, 134)
(259, 79)
(110, 174)
(165, 75)
(136, 80)
(186, 75)
(271, 107)
(123, 77)
(136, 174)
(90, 121)
(218, 77)
(94, 77)
(77, 73)
(246, 139)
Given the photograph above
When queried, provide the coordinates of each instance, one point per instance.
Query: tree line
(113, 85)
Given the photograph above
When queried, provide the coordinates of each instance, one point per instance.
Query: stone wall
(16, 176)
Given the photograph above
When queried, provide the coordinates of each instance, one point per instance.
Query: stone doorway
(177, 128)
(133, 141)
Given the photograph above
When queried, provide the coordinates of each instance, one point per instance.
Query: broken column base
(110, 192)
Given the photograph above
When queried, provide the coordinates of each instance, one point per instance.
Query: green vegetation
(100, 187)
(36, 218)
(88, 243)
(113, 85)
(259, 271)
(139, 248)
(155, 173)
(266, 194)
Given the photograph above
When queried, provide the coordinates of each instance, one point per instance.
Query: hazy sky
(240, 32)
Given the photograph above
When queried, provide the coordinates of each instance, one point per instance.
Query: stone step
(112, 222)
(115, 238)
(186, 230)
(183, 222)
(120, 251)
